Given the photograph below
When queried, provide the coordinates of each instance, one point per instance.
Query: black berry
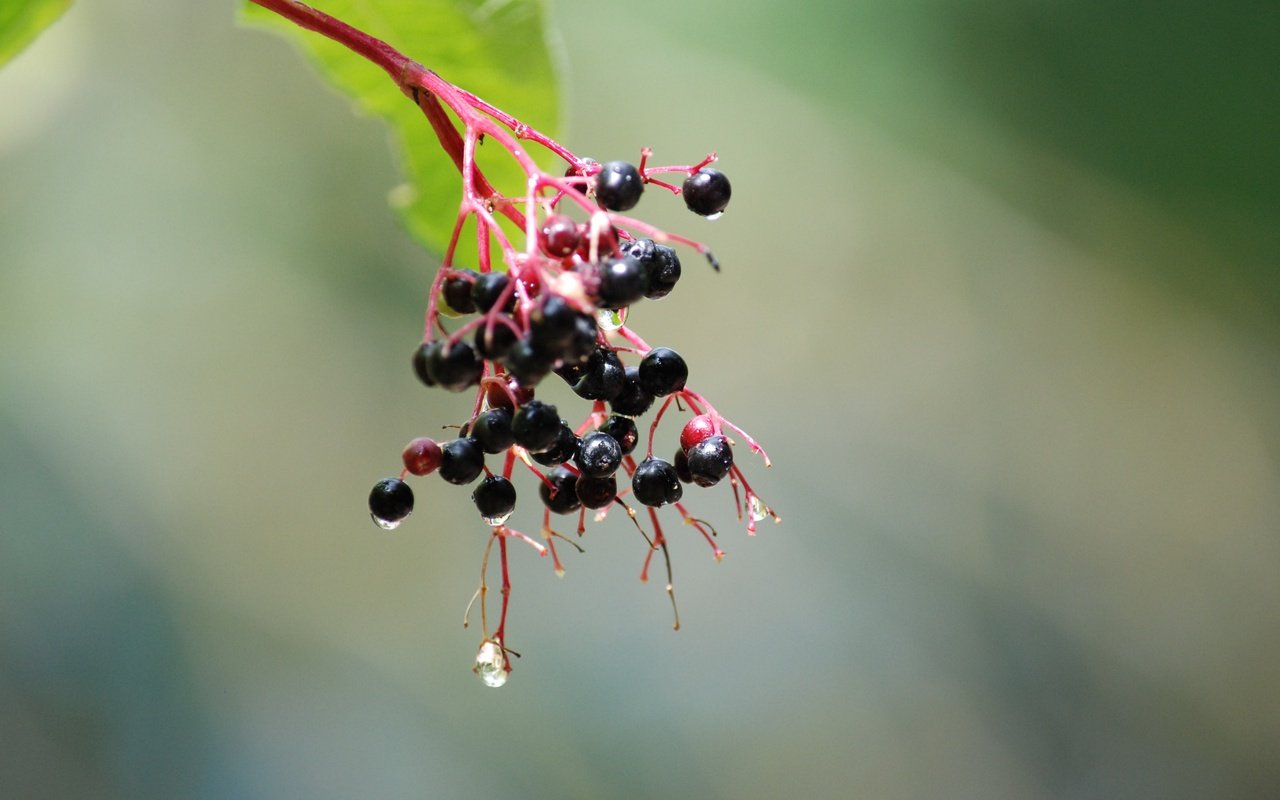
(420, 358)
(561, 495)
(390, 501)
(663, 371)
(655, 483)
(602, 377)
(599, 454)
(461, 461)
(492, 430)
(623, 430)
(583, 340)
(488, 287)
(681, 464)
(455, 366)
(528, 363)
(565, 447)
(661, 266)
(706, 192)
(710, 460)
(622, 282)
(494, 343)
(596, 492)
(457, 290)
(619, 186)
(495, 499)
(633, 400)
(552, 323)
(536, 426)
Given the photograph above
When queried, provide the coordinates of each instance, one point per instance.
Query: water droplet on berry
(491, 664)
(609, 320)
(715, 216)
(500, 519)
(386, 524)
(759, 510)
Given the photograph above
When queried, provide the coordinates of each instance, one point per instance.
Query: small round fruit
(461, 461)
(421, 356)
(457, 290)
(559, 236)
(623, 430)
(494, 343)
(695, 430)
(561, 495)
(492, 429)
(619, 186)
(488, 287)
(536, 426)
(681, 464)
(663, 371)
(710, 460)
(421, 456)
(622, 282)
(455, 366)
(390, 502)
(565, 448)
(706, 192)
(599, 454)
(661, 266)
(495, 499)
(552, 323)
(602, 377)
(655, 483)
(633, 400)
(528, 363)
(596, 492)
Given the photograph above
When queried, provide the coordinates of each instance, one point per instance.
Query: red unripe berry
(421, 456)
(559, 236)
(497, 398)
(695, 430)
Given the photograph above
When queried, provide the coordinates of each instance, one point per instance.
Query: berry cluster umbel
(560, 265)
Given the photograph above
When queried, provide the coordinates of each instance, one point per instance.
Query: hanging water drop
(386, 524)
(491, 664)
(759, 510)
(608, 319)
(498, 520)
(715, 216)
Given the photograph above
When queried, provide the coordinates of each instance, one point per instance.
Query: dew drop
(491, 664)
(758, 509)
(608, 319)
(715, 216)
(386, 524)
(498, 520)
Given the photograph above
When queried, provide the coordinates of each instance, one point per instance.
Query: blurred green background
(1000, 296)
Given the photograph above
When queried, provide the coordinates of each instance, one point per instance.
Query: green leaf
(22, 20)
(496, 49)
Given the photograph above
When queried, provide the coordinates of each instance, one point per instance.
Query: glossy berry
(552, 323)
(562, 495)
(528, 363)
(655, 483)
(461, 461)
(706, 192)
(498, 397)
(596, 492)
(633, 400)
(710, 460)
(681, 464)
(564, 449)
(623, 430)
(495, 498)
(661, 266)
(488, 287)
(421, 456)
(455, 366)
(599, 454)
(619, 186)
(583, 340)
(494, 342)
(663, 371)
(492, 430)
(559, 236)
(457, 290)
(695, 430)
(602, 377)
(536, 426)
(390, 501)
(420, 358)
(622, 282)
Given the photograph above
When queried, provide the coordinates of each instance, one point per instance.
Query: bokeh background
(1000, 295)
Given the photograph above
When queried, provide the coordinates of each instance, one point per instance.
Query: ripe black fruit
(602, 377)
(710, 460)
(488, 287)
(561, 496)
(495, 497)
(455, 366)
(495, 343)
(492, 430)
(622, 282)
(706, 192)
(536, 426)
(596, 492)
(681, 464)
(552, 323)
(565, 448)
(623, 430)
(599, 454)
(655, 483)
(661, 266)
(420, 358)
(390, 501)
(461, 461)
(619, 186)
(528, 363)
(663, 371)
(457, 290)
(633, 400)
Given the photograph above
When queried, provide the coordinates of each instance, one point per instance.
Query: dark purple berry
(457, 290)
(488, 287)
(599, 454)
(455, 366)
(559, 236)
(461, 461)
(565, 447)
(421, 456)
(552, 323)
(619, 186)
(583, 340)
(536, 426)
(390, 501)
(623, 430)
(710, 460)
(706, 192)
(495, 498)
(494, 343)
(663, 371)
(602, 377)
(420, 358)
(655, 483)
(622, 282)
(492, 429)
(596, 492)
(681, 464)
(661, 266)
(528, 363)
(633, 400)
(561, 496)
